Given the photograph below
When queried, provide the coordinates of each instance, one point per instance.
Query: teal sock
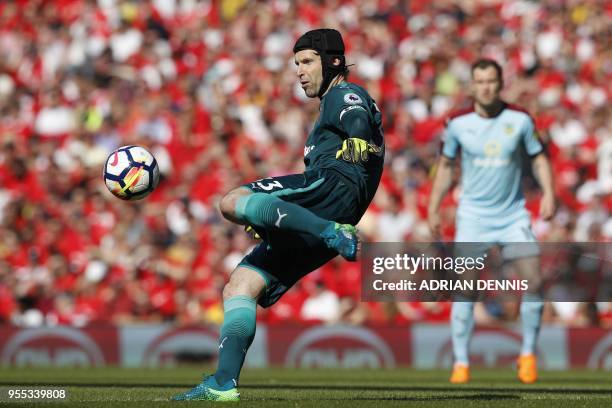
(268, 211)
(462, 325)
(531, 317)
(237, 333)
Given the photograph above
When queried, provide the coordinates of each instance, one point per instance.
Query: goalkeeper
(304, 219)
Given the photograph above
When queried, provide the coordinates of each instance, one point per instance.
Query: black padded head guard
(328, 43)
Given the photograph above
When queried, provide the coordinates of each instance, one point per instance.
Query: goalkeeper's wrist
(357, 137)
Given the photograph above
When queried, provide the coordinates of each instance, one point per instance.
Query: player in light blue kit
(492, 137)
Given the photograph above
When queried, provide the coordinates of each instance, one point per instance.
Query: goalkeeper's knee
(227, 205)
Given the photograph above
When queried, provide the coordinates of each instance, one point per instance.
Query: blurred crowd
(209, 86)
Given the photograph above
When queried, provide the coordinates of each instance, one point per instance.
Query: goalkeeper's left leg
(240, 295)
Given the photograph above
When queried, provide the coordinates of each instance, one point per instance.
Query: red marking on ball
(115, 159)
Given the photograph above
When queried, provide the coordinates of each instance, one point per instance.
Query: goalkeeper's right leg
(267, 211)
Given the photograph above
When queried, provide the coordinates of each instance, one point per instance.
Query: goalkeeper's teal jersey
(337, 106)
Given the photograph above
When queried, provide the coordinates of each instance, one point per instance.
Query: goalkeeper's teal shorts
(283, 257)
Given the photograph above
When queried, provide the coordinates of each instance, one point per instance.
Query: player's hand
(355, 150)
(434, 222)
(548, 207)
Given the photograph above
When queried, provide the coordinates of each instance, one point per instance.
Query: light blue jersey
(492, 153)
(492, 206)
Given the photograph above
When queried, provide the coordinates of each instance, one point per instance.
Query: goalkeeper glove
(355, 150)
(251, 231)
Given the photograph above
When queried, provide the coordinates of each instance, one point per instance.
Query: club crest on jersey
(509, 129)
(352, 99)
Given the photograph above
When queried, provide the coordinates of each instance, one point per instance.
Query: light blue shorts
(516, 239)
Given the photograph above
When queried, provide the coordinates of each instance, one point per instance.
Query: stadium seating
(198, 82)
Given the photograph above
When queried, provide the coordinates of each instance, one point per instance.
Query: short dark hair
(485, 63)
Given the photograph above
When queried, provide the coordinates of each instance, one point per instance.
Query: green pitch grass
(319, 388)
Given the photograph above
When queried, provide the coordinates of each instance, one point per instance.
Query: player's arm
(541, 169)
(358, 146)
(443, 178)
(442, 183)
(543, 173)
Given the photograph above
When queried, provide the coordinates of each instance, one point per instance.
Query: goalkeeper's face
(486, 86)
(309, 71)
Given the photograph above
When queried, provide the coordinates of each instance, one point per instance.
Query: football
(131, 173)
